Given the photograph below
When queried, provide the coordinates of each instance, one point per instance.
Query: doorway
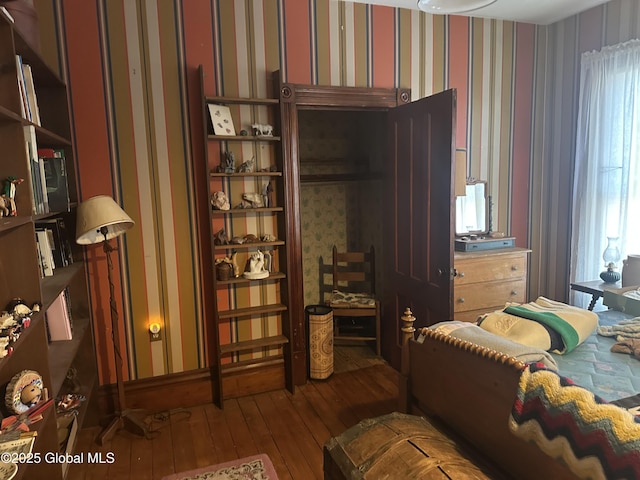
(417, 173)
(341, 155)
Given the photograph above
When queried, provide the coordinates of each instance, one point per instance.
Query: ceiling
(541, 12)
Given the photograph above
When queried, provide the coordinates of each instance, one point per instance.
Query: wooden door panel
(419, 211)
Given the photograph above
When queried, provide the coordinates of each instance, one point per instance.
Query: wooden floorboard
(290, 428)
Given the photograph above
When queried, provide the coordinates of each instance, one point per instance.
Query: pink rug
(256, 467)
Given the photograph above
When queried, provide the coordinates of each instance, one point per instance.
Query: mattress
(592, 365)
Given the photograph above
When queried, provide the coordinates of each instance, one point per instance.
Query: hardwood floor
(291, 429)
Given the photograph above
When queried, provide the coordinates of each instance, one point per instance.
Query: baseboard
(189, 389)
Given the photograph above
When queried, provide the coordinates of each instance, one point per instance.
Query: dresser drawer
(488, 295)
(486, 269)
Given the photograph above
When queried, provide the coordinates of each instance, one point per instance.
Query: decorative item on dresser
(485, 280)
(100, 219)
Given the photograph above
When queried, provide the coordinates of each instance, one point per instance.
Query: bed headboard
(471, 390)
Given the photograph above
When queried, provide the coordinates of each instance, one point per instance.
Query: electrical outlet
(155, 332)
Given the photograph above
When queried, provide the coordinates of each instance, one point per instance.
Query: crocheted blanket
(593, 438)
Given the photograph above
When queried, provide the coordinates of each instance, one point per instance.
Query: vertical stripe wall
(132, 70)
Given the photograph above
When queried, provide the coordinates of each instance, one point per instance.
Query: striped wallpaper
(132, 70)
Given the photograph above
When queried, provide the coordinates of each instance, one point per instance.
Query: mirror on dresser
(472, 210)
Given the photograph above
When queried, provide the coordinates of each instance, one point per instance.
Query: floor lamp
(99, 219)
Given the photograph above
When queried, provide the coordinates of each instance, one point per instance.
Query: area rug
(256, 467)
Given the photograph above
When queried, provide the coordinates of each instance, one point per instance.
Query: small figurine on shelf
(229, 162)
(255, 267)
(219, 201)
(10, 194)
(268, 195)
(220, 238)
(262, 130)
(4, 206)
(248, 166)
(13, 321)
(251, 200)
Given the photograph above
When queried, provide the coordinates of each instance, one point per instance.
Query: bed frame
(470, 391)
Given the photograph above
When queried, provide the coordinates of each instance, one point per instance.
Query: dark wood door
(418, 243)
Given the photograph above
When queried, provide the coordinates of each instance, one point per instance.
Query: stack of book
(29, 107)
(48, 172)
(46, 166)
(54, 246)
(55, 178)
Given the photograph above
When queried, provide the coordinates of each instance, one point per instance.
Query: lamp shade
(444, 7)
(98, 213)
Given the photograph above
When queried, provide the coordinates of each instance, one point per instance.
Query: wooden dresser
(486, 280)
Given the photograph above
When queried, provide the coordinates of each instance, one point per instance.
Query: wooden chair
(354, 297)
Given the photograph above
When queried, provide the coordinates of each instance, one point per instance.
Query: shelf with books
(21, 138)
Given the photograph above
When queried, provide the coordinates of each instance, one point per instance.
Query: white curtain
(606, 194)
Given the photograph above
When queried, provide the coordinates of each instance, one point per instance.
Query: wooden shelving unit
(19, 264)
(241, 303)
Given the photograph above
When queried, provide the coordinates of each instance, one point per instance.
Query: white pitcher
(631, 271)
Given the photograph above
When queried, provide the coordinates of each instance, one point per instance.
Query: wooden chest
(397, 446)
(486, 280)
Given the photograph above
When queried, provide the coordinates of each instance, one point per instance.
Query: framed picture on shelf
(221, 120)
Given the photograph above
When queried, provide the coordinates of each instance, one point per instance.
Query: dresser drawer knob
(514, 293)
(461, 300)
(514, 268)
(461, 274)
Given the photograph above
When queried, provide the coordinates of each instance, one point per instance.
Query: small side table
(595, 287)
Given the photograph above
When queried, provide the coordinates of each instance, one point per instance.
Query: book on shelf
(58, 318)
(6, 14)
(36, 171)
(61, 246)
(55, 176)
(24, 111)
(32, 100)
(47, 263)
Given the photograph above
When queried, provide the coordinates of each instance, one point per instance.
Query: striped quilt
(596, 440)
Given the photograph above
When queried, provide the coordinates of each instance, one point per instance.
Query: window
(606, 197)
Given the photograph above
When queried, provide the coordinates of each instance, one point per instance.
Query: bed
(593, 366)
(473, 391)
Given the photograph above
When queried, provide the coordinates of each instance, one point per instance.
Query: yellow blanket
(534, 323)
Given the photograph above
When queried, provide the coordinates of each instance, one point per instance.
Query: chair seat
(351, 300)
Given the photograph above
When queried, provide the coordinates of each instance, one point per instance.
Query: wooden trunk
(398, 446)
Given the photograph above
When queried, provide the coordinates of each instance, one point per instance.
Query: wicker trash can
(320, 328)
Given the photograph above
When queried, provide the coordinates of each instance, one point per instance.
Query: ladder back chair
(353, 298)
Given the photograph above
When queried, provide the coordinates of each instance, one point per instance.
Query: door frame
(292, 98)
